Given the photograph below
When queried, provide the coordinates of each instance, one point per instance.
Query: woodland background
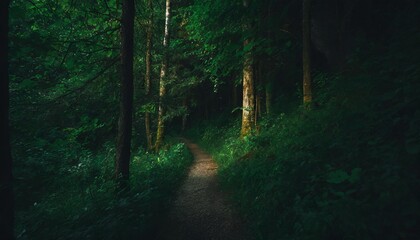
(338, 162)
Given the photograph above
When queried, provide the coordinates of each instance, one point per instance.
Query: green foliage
(83, 204)
(62, 71)
(64, 106)
(348, 169)
(219, 41)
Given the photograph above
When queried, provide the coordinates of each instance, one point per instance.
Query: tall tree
(248, 102)
(307, 81)
(148, 71)
(185, 115)
(268, 81)
(126, 99)
(163, 76)
(6, 177)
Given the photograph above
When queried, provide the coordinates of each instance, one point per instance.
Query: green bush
(84, 203)
(348, 169)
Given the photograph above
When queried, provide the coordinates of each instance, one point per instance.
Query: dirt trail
(201, 211)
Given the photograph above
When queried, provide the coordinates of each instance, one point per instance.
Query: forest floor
(201, 210)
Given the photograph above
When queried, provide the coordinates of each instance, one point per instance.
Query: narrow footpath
(201, 211)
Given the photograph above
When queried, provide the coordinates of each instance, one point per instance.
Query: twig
(87, 82)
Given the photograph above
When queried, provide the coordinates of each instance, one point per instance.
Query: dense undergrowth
(79, 201)
(347, 169)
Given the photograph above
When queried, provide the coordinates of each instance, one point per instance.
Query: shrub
(84, 205)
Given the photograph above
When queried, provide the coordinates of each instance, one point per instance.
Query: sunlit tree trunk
(147, 77)
(6, 177)
(163, 76)
(259, 81)
(248, 102)
(126, 99)
(307, 88)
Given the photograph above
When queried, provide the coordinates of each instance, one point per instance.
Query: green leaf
(337, 176)
(27, 84)
(355, 175)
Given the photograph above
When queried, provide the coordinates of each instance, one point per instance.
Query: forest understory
(310, 110)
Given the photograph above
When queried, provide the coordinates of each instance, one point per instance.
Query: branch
(87, 82)
(88, 39)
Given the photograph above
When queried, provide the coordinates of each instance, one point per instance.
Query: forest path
(201, 211)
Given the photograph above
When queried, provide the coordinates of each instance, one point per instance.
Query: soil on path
(201, 211)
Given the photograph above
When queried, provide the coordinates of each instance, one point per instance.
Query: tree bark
(307, 81)
(235, 96)
(268, 97)
(248, 102)
(268, 81)
(148, 73)
(162, 82)
(259, 81)
(6, 177)
(185, 116)
(126, 99)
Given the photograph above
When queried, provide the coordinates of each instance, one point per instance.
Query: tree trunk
(185, 116)
(6, 177)
(268, 97)
(126, 99)
(248, 103)
(207, 111)
(234, 96)
(268, 81)
(147, 77)
(307, 88)
(259, 92)
(257, 109)
(162, 82)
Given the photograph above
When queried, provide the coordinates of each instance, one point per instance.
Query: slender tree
(6, 177)
(268, 80)
(163, 76)
(307, 81)
(126, 99)
(268, 97)
(148, 72)
(235, 95)
(185, 115)
(248, 102)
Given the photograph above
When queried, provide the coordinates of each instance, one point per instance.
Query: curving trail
(201, 211)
